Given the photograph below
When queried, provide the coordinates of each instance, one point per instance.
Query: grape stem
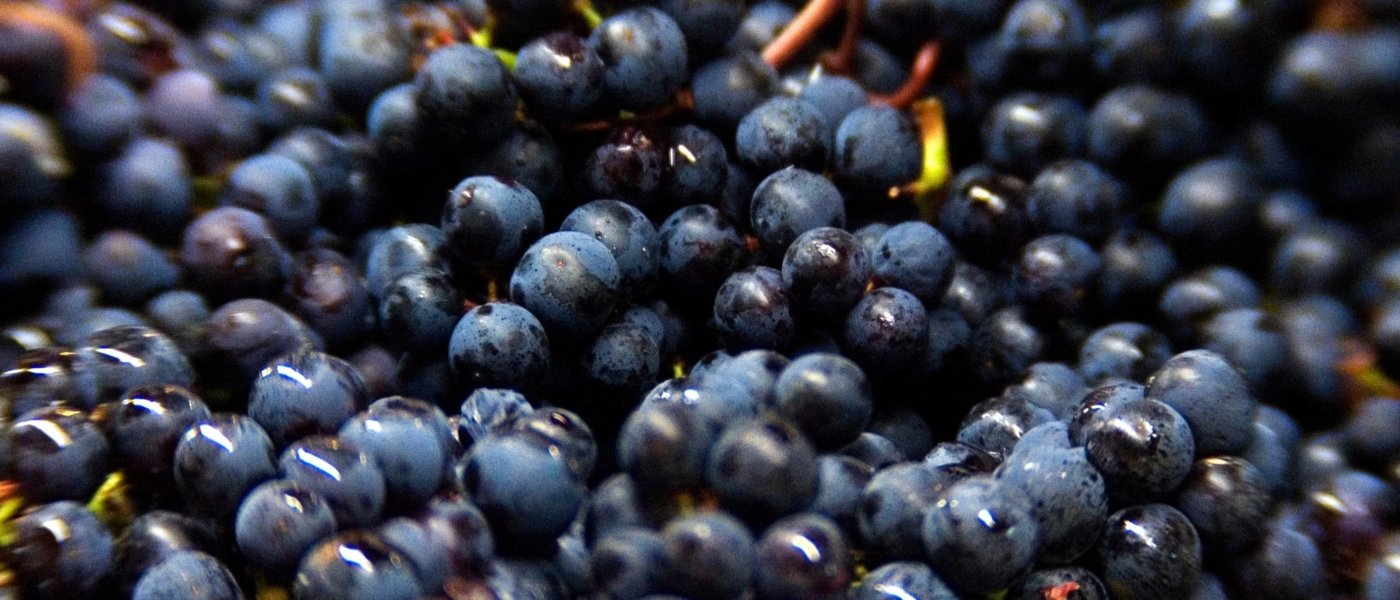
(842, 61)
(919, 75)
(683, 102)
(801, 30)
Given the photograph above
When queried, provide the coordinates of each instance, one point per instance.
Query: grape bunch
(700, 299)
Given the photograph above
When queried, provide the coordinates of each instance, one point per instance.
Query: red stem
(801, 30)
(919, 75)
(842, 61)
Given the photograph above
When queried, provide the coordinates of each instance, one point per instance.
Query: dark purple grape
(664, 446)
(752, 310)
(39, 377)
(644, 57)
(980, 537)
(790, 202)
(128, 268)
(825, 271)
(1213, 398)
(279, 189)
(499, 344)
(902, 579)
(762, 469)
(886, 332)
(57, 454)
(1286, 565)
(465, 96)
(628, 234)
(418, 309)
(803, 556)
(1150, 551)
(996, 425)
(145, 426)
(349, 479)
(59, 550)
(524, 489)
(409, 442)
(1055, 274)
(892, 507)
(305, 393)
(827, 396)
(278, 522)
(188, 574)
(117, 359)
(564, 435)
(561, 74)
(355, 564)
(783, 132)
(700, 247)
(245, 335)
(1143, 448)
(570, 281)
(985, 214)
(218, 460)
(1122, 351)
(628, 563)
(331, 297)
(233, 252)
(1228, 501)
(489, 221)
(708, 554)
(154, 536)
(877, 149)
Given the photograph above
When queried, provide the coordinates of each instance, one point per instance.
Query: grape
(128, 268)
(348, 478)
(663, 447)
(979, 536)
(628, 234)
(762, 468)
(752, 310)
(499, 344)
(825, 271)
(411, 451)
(58, 454)
(644, 57)
(1149, 551)
(525, 491)
(356, 564)
(783, 132)
(560, 72)
(787, 567)
(892, 508)
(827, 396)
(570, 281)
(145, 426)
(709, 554)
(465, 96)
(188, 574)
(153, 537)
(59, 550)
(278, 522)
(305, 393)
(791, 202)
(903, 578)
(420, 307)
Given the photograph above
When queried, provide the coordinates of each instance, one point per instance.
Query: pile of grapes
(705, 299)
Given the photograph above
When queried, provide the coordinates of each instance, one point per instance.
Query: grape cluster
(700, 299)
